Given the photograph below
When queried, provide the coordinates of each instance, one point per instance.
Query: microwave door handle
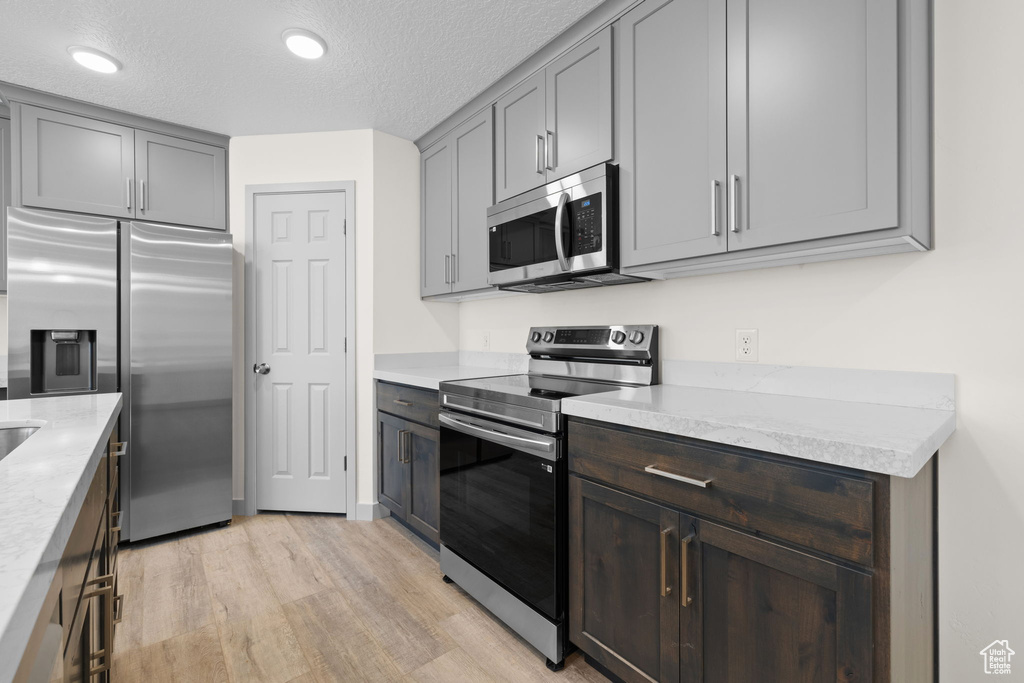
(559, 247)
(545, 446)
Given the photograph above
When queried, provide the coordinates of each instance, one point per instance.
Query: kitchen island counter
(43, 484)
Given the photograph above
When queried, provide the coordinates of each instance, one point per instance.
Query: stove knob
(636, 337)
(618, 336)
(549, 337)
(535, 337)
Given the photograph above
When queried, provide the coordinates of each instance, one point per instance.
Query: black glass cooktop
(534, 391)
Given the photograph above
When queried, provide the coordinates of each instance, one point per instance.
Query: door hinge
(345, 466)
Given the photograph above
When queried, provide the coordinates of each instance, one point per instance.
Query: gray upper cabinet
(457, 187)
(473, 188)
(180, 181)
(672, 155)
(74, 163)
(556, 122)
(579, 107)
(436, 219)
(5, 195)
(520, 139)
(813, 122)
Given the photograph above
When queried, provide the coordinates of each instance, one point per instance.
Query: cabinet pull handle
(734, 221)
(142, 195)
(714, 208)
(408, 447)
(549, 151)
(540, 154)
(121, 447)
(118, 608)
(128, 193)
(666, 589)
(703, 483)
(399, 402)
(447, 266)
(401, 446)
(455, 264)
(684, 562)
(108, 626)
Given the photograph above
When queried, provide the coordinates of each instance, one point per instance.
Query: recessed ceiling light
(94, 59)
(305, 44)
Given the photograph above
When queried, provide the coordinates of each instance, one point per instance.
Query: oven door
(503, 508)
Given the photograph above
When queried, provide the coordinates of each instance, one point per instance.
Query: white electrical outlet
(485, 341)
(746, 345)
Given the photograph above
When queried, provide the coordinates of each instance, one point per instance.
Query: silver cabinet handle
(734, 221)
(128, 193)
(540, 154)
(559, 247)
(447, 269)
(142, 195)
(455, 269)
(703, 483)
(549, 149)
(261, 369)
(714, 208)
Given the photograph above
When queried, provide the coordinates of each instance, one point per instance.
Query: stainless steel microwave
(561, 236)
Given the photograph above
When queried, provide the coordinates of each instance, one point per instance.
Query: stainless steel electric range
(504, 477)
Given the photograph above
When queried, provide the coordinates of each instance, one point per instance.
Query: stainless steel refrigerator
(95, 306)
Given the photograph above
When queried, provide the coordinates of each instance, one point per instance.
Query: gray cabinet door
(473, 187)
(5, 195)
(436, 218)
(74, 163)
(520, 138)
(180, 181)
(672, 166)
(812, 119)
(579, 107)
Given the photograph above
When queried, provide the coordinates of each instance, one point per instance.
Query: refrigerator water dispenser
(63, 361)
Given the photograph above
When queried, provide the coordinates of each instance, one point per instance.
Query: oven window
(528, 240)
(498, 511)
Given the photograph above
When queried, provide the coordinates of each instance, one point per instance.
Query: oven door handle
(534, 445)
(559, 246)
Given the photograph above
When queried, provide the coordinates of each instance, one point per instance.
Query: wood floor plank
(262, 648)
(238, 587)
(216, 538)
(454, 666)
(335, 642)
(174, 596)
(129, 633)
(196, 656)
(292, 570)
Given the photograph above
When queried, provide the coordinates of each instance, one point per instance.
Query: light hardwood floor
(309, 598)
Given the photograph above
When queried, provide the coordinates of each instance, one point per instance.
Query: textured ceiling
(400, 66)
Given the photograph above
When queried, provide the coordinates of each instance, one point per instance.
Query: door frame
(248, 503)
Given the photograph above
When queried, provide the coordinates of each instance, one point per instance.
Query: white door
(300, 339)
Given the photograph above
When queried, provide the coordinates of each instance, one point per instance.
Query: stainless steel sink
(12, 437)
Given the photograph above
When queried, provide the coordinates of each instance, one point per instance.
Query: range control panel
(597, 340)
(586, 225)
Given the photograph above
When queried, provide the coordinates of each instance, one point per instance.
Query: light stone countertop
(888, 439)
(431, 378)
(43, 483)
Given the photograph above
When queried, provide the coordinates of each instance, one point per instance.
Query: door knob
(261, 369)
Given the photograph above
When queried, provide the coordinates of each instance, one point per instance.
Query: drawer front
(410, 403)
(825, 511)
(79, 550)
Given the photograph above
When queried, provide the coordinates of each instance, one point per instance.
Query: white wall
(957, 309)
(389, 315)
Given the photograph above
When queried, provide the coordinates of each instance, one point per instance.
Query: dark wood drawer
(813, 507)
(410, 403)
(79, 550)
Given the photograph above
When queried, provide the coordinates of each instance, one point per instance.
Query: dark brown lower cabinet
(663, 586)
(408, 458)
(661, 595)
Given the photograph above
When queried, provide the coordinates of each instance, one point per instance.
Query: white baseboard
(367, 512)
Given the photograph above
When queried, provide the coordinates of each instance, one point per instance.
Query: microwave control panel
(586, 225)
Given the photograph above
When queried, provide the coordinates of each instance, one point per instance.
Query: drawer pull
(666, 589)
(399, 402)
(121, 447)
(118, 608)
(684, 562)
(703, 483)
